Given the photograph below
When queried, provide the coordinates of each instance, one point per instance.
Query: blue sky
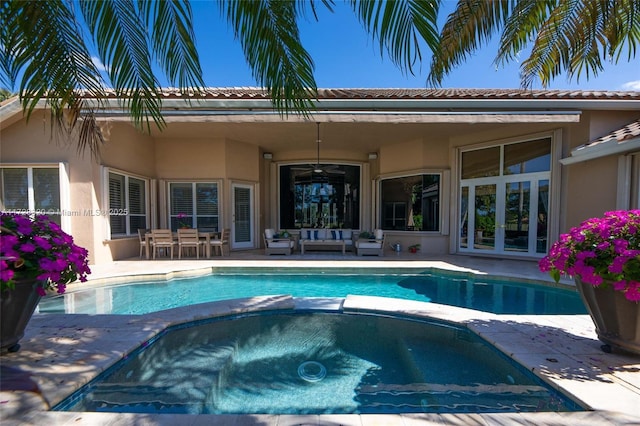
(346, 57)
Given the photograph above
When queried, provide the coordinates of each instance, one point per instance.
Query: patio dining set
(186, 241)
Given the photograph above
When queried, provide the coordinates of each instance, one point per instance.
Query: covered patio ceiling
(357, 136)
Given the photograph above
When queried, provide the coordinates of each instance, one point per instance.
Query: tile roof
(401, 93)
(628, 132)
(625, 139)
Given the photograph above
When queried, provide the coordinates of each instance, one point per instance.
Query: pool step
(181, 387)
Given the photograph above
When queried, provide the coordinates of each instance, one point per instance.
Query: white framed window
(411, 203)
(194, 204)
(128, 201)
(35, 189)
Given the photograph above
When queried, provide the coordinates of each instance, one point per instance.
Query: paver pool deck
(62, 352)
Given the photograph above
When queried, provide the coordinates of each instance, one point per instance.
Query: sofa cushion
(347, 234)
(336, 234)
(307, 234)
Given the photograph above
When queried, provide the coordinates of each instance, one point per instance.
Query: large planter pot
(17, 307)
(617, 319)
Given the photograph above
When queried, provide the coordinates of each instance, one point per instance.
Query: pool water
(475, 292)
(317, 363)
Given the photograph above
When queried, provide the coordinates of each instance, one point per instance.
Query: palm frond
(269, 35)
(173, 41)
(521, 27)
(53, 56)
(400, 26)
(76, 122)
(469, 26)
(11, 43)
(47, 46)
(578, 36)
(123, 47)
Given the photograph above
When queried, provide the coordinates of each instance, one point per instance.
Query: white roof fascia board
(479, 105)
(359, 117)
(9, 109)
(612, 147)
(390, 104)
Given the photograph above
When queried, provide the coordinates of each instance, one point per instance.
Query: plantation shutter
(15, 189)
(242, 200)
(181, 203)
(137, 207)
(117, 202)
(207, 206)
(46, 192)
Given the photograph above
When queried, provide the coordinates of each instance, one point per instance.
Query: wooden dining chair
(222, 241)
(188, 239)
(143, 242)
(162, 239)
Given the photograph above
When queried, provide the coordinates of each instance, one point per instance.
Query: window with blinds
(127, 204)
(194, 204)
(33, 190)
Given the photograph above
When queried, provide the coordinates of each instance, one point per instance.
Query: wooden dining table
(207, 236)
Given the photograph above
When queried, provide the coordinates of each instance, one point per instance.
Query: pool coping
(60, 353)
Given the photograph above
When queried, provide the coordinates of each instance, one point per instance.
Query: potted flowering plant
(414, 248)
(603, 256)
(36, 256)
(182, 221)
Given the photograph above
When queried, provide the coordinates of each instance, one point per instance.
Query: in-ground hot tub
(315, 363)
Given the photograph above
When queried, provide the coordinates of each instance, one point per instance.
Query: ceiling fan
(317, 168)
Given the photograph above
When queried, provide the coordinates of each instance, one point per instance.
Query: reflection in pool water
(475, 292)
(297, 363)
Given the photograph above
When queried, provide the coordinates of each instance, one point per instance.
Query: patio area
(60, 352)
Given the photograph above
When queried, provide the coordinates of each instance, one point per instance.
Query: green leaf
(269, 36)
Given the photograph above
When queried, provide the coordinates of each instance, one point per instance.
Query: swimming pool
(316, 363)
(469, 291)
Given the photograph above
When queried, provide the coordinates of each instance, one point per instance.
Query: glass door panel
(485, 217)
(242, 231)
(464, 218)
(517, 216)
(542, 227)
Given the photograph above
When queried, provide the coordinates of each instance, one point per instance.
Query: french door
(242, 231)
(505, 215)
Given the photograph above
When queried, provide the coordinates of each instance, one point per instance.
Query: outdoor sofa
(341, 239)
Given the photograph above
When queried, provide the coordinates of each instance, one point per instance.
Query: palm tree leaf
(523, 23)
(400, 26)
(43, 41)
(11, 43)
(470, 25)
(577, 37)
(123, 47)
(51, 53)
(173, 41)
(269, 36)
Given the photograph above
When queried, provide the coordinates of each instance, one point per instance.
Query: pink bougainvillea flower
(601, 252)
